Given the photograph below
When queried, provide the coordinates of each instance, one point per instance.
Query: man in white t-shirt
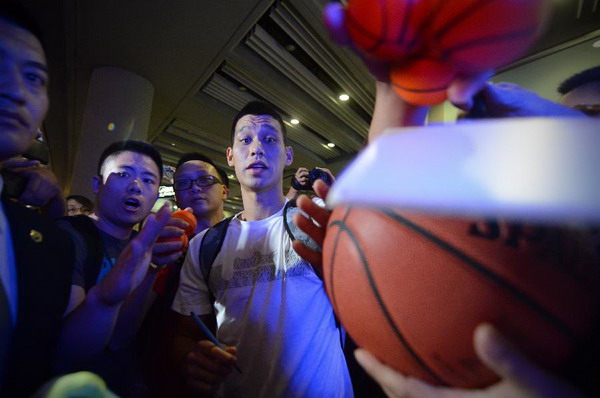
(272, 314)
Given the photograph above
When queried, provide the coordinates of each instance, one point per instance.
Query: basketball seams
(487, 273)
(407, 15)
(419, 32)
(341, 225)
(335, 243)
(460, 17)
(379, 39)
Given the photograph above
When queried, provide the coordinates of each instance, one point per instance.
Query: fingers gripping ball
(189, 218)
(411, 289)
(184, 242)
(422, 82)
(189, 231)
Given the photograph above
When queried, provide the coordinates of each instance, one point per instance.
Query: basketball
(422, 82)
(411, 289)
(466, 36)
(189, 218)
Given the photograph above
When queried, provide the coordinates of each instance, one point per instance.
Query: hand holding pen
(210, 336)
(208, 364)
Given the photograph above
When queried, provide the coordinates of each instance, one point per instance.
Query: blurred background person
(78, 204)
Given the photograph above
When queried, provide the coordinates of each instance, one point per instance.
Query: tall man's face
(127, 188)
(258, 153)
(206, 191)
(23, 88)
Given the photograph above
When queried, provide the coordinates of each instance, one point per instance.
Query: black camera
(314, 175)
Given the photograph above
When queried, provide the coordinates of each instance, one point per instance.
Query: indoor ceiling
(206, 59)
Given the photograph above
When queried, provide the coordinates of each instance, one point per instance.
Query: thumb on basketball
(514, 367)
(463, 89)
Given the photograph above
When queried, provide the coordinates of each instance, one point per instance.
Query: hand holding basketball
(519, 377)
(173, 240)
(426, 282)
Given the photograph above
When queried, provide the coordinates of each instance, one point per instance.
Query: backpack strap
(211, 244)
(94, 247)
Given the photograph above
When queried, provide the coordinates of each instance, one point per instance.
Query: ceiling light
(110, 127)
(230, 175)
(294, 121)
(596, 44)
(344, 97)
(330, 144)
(172, 144)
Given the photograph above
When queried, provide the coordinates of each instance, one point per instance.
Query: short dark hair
(579, 79)
(141, 147)
(18, 15)
(259, 108)
(87, 204)
(187, 157)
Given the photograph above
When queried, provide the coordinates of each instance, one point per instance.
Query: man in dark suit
(35, 258)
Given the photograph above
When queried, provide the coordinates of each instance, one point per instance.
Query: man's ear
(225, 192)
(289, 155)
(229, 155)
(96, 183)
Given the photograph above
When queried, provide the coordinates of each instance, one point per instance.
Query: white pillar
(118, 107)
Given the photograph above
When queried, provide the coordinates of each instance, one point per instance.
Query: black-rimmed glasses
(202, 181)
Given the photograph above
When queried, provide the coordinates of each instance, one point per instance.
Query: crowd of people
(82, 289)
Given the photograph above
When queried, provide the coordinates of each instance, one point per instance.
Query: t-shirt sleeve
(192, 294)
(77, 277)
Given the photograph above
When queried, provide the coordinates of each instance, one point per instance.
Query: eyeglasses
(202, 181)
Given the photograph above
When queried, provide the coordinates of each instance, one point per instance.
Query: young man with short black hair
(126, 188)
(272, 313)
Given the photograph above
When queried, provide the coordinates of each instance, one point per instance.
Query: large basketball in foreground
(411, 289)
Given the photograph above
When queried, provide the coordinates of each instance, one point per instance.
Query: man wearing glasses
(202, 186)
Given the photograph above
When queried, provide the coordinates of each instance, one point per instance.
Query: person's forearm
(86, 332)
(391, 111)
(291, 194)
(133, 312)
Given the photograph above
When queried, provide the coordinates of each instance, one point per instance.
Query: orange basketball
(463, 36)
(422, 82)
(187, 217)
(412, 288)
